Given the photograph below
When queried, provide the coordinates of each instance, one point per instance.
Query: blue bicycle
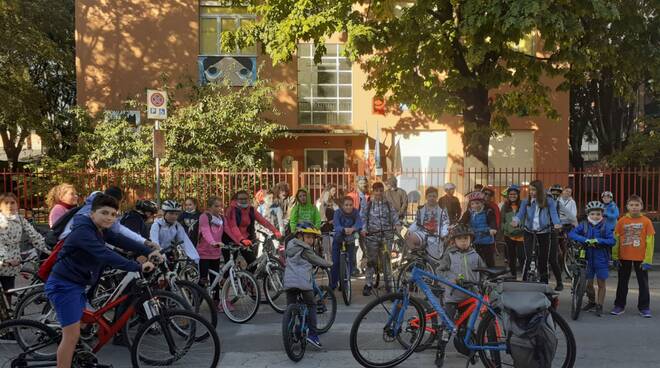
(294, 323)
(382, 334)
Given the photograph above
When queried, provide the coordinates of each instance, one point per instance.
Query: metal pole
(157, 127)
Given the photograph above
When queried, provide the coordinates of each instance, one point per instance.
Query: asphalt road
(626, 341)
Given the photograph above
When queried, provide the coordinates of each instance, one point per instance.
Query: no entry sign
(156, 104)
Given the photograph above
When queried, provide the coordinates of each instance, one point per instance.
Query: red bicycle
(165, 337)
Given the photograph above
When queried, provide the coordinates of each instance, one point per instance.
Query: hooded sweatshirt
(456, 264)
(304, 212)
(300, 260)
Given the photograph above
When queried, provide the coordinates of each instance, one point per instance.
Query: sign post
(157, 110)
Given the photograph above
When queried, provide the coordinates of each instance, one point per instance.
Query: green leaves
(223, 127)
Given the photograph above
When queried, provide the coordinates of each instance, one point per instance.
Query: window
(325, 90)
(527, 44)
(324, 159)
(215, 20)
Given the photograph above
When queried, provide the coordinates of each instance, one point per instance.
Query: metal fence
(31, 188)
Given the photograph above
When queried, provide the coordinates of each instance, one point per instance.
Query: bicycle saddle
(491, 272)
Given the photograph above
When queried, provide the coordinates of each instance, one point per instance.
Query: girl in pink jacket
(211, 228)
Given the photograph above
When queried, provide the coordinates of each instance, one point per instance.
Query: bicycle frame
(417, 278)
(107, 330)
(469, 305)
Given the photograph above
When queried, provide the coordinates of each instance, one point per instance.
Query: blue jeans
(336, 252)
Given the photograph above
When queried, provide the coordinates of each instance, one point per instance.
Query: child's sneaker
(646, 313)
(589, 306)
(598, 310)
(314, 340)
(617, 311)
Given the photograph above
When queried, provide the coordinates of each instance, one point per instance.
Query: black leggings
(554, 256)
(542, 254)
(204, 266)
(514, 253)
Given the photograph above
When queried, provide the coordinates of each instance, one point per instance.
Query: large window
(215, 20)
(324, 159)
(325, 90)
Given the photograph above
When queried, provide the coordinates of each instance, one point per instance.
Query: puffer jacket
(599, 255)
(481, 223)
(300, 259)
(457, 264)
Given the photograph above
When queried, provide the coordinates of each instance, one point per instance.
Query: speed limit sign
(156, 104)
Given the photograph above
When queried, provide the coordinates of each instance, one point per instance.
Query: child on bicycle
(347, 223)
(457, 265)
(597, 237)
(635, 238)
(481, 220)
(80, 263)
(380, 223)
(431, 226)
(168, 230)
(298, 274)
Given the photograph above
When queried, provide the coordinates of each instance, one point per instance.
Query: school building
(124, 47)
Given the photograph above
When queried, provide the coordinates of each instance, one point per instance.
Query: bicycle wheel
(430, 331)
(166, 299)
(345, 279)
(569, 262)
(176, 338)
(406, 273)
(579, 287)
(188, 271)
(33, 342)
(491, 332)
(199, 300)
(274, 289)
(240, 297)
(374, 338)
(326, 309)
(35, 306)
(294, 336)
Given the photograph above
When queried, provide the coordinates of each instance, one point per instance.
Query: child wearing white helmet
(167, 230)
(595, 234)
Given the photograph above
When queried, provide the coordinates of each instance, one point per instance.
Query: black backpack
(53, 235)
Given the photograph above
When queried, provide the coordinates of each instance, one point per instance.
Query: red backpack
(47, 265)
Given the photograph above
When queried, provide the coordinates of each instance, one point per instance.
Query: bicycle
(489, 342)
(384, 262)
(464, 308)
(294, 323)
(240, 294)
(532, 274)
(347, 244)
(269, 270)
(181, 331)
(579, 276)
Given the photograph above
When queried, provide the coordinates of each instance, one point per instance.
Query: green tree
(37, 69)
(223, 127)
(610, 62)
(643, 148)
(437, 56)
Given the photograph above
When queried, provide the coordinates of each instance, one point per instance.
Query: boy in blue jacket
(596, 235)
(80, 263)
(348, 223)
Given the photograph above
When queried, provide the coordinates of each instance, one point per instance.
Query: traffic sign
(156, 104)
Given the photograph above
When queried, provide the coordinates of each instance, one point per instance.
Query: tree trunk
(476, 120)
(13, 145)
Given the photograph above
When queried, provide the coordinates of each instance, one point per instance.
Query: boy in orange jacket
(634, 235)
